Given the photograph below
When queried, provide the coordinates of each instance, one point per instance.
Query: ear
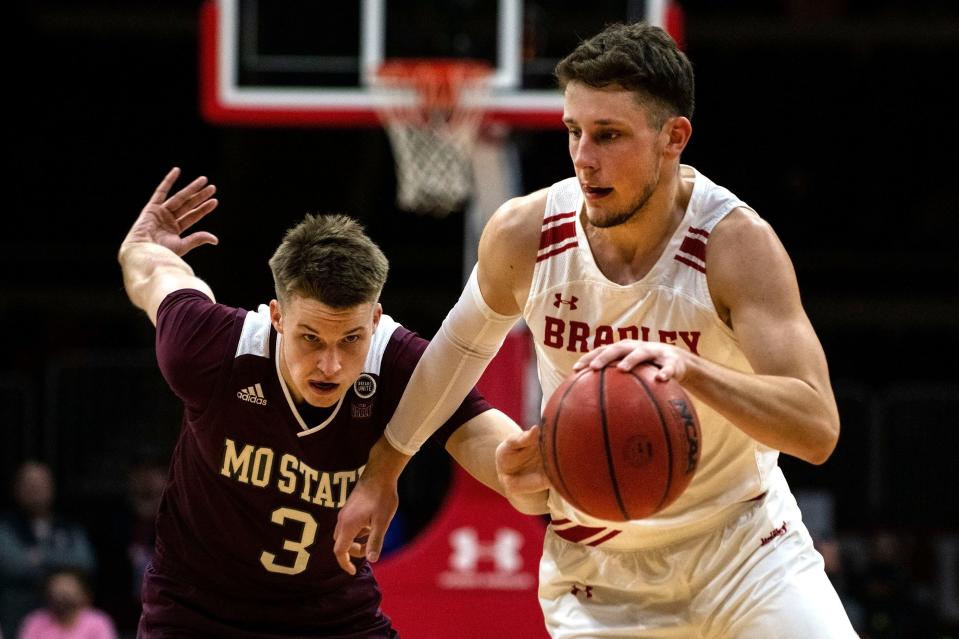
(677, 131)
(377, 314)
(276, 316)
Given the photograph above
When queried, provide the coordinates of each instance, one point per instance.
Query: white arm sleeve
(470, 336)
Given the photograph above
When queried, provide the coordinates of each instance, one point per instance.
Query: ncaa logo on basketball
(689, 426)
(364, 386)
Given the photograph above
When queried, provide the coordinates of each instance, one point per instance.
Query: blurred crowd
(64, 577)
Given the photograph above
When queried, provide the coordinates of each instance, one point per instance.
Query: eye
(609, 136)
(575, 133)
(351, 339)
(310, 338)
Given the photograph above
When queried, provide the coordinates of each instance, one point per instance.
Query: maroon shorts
(175, 607)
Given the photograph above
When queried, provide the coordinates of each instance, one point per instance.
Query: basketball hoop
(432, 110)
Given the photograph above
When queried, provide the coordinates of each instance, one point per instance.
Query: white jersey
(573, 308)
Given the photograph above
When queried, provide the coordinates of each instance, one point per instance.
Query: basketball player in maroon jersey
(642, 258)
(282, 406)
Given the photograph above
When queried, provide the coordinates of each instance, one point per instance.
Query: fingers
(342, 544)
(159, 195)
(516, 451)
(604, 355)
(358, 547)
(524, 439)
(374, 545)
(197, 213)
(526, 483)
(199, 238)
(193, 203)
(628, 354)
(634, 358)
(181, 198)
(666, 372)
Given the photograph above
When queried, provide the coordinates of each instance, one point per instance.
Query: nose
(583, 153)
(328, 362)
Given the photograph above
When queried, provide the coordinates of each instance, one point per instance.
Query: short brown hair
(640, 58)
(329, 258)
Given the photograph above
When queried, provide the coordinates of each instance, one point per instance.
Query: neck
(66, 620)
(626, 252)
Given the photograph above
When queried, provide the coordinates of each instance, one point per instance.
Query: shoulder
(192, 312)
(744, 234)
(35, 623)
(507, 251)
(517, 224)
(97, 618)
(746, 259)
(389, 339)
(196, 336)
(184, 297)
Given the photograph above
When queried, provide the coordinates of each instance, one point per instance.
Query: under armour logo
(468, 550)
(571, 301)
(575, 590)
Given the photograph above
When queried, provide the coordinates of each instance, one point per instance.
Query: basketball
(620, 445)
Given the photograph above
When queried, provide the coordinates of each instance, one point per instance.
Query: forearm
(151, 271)
(469, 338)
(473, 446)
(782, 412)
(385, 463)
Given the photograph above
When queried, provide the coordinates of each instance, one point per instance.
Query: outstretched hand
(519, 464)
(164, 219)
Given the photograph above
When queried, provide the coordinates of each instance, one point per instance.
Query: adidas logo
(252, 394)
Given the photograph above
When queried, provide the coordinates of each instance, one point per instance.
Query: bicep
(754, 285)
(167, 281)
(194, 339)
(507, 252)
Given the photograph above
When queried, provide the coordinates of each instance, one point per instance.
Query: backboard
(303, 62)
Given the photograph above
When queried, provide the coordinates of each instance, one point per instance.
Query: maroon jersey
(245, 528)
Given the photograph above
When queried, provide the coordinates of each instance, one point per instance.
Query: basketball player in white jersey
(641, 258)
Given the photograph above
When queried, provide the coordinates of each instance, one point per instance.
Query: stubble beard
(617, 218)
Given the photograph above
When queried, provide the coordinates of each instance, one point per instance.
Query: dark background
(835, 119)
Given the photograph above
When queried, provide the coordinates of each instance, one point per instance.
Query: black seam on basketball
(608, 446)
(559, 472)
(669, 440)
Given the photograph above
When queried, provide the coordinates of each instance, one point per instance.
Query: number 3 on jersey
(280, 515)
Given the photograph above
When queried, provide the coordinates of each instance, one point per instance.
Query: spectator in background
(34, 542)
(893, 602)
(125, 536)
(835, 567)
(68, 613)
(145, 484)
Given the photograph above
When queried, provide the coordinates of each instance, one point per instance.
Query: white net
(431, 115)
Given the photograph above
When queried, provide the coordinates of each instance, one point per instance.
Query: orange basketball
(620, 445)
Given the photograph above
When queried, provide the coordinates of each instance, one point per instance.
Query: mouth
(595, 192)
(323, 387)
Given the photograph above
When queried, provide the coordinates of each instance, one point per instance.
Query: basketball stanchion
(432, 111)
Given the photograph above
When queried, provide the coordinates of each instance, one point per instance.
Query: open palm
(164, 219)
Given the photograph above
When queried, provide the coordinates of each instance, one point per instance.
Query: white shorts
(754, 577)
